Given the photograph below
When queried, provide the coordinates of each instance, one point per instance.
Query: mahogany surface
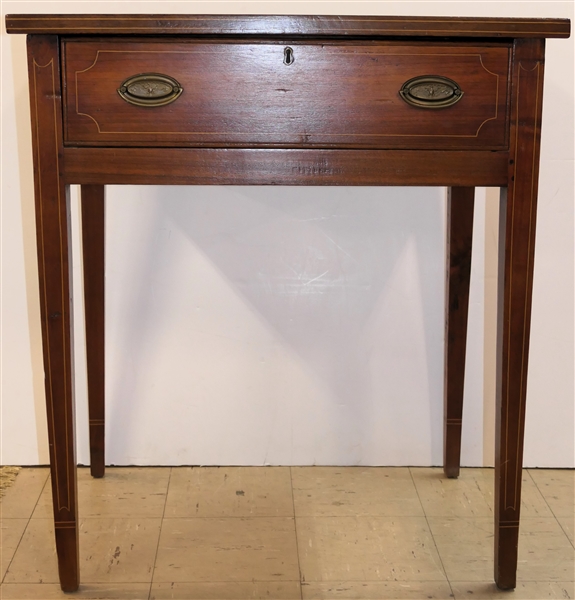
(460, 202)
(518, 210)
(52, 219)
(297, 25)
(332, 117)
(257, 100)
(92, 198)
(248, 166)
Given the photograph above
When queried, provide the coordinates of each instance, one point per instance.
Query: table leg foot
(67, 551)
(506, 543)
(97, 458)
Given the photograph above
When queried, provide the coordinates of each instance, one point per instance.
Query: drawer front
(285, 94)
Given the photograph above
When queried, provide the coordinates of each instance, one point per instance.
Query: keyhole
(288, 56)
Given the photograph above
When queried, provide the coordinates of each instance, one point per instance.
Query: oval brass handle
(150, 89)
(431, 91)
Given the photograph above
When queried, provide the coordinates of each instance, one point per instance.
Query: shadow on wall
(325, 269)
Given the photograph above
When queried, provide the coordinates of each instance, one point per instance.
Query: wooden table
(291, 100)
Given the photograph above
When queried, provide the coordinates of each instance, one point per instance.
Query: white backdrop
(278, 325)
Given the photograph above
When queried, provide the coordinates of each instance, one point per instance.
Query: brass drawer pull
(431, 91)
(150, 89)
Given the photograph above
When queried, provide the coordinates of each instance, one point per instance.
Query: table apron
(248, 166)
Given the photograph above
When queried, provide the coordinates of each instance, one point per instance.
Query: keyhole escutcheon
(288, 56)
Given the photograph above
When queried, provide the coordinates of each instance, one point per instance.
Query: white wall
(287, 325)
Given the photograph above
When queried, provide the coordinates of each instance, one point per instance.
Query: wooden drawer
(271, 94)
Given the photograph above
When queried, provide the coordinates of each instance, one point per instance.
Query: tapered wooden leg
(460, 203)
(52, 221)
(517, 241)
(93, 226)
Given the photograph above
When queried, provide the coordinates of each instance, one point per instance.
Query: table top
(294, 25)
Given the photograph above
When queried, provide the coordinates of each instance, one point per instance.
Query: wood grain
(460, 204)
(282, 25)
(517, 246)
(243, 94)
(52, 221)
(93, 253)
(205, 166)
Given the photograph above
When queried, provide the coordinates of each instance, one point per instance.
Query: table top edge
(298, 25)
